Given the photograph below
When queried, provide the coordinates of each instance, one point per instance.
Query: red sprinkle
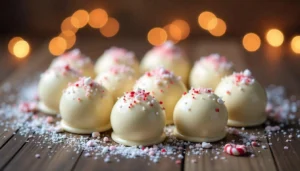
(160, 102)
(217, 110)
(163, 150)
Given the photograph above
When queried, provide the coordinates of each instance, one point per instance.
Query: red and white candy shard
(235, 150)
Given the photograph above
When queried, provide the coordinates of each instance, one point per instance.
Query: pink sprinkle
(91, 143)
(151, 153)
(49, 119)
(194, 161)
(111, 148)
(106, 139)
(255, 144)
(95, 134)
(178, 161)
(163, 150)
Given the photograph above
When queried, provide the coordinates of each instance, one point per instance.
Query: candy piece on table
(85, 107)
(116, 56)
(51, 85)
(165, 87)
(137, 119)
(209, 70)
(76, 60)
(245, 99)
(168, 56)
(235, 150)
(200, 116)
(118, 79)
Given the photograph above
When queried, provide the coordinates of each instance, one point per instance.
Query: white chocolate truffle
(116, 56)
(137, 119)
(165, 87)
(208, 71)
(118, 80)
(168, 56)
(85, 107)
(244, 98)
(76, 60)
(51, 86)
(200, 116)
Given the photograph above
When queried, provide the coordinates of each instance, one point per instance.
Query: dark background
(42, 18)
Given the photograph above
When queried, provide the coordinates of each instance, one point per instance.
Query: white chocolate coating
(208, 71)
(116, 56)
(200, 116)
(76, 60)
(164, 86)
(51, 86)
(137, 119)
(168, 56)
(85, 107)
(244, 98)
(118, 80)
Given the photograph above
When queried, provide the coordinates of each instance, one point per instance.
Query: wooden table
(267, 65)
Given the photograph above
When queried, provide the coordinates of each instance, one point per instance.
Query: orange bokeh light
(111, 28)
(157, 36)
(251, 42)
(21, 49)
(70, 40)
(12, 43)
(207, 20)
(98, 18)
(184, 28)
(80, 18)
(67, 27)
(57, 46)
(275, 37)
(295, 44)
(219, 29)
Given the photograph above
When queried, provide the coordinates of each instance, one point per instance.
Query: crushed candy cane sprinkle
(64, 70)
(45, 132)
(120, 55)
(74, 55)
(88, 85)
(169, 50)
(163, 77)
(133, 98)
(219, 63)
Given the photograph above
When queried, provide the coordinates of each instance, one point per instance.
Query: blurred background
(256, 25)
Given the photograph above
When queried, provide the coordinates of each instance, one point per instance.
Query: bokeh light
(251, 42)
(157, 36)
(174, 32)
(80, 18)
(184, 28)
(57, 46)
(70, 40)
(67, 27)
(12, 43)
(111, 28)
(98, 18)
(207, 20)
(219, 29)
(295, 44)
(275, 37)
(21, 49)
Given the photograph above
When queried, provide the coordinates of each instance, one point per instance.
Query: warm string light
(80, 18)
(18, 47)
(251, 42)
(219, 29)
(98, 18)
(275, 37)
(157, 36)
(57, 46)
(111, 28)
(295, 44)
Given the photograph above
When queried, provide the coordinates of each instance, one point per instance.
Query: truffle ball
(137, 119)
(208, 71)
(168, 56)
(51, 86)
(76, 60)
(85, 107)
(116, 56)
(200, 116)
(117, 80)
(244, 98)
(165, 87)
